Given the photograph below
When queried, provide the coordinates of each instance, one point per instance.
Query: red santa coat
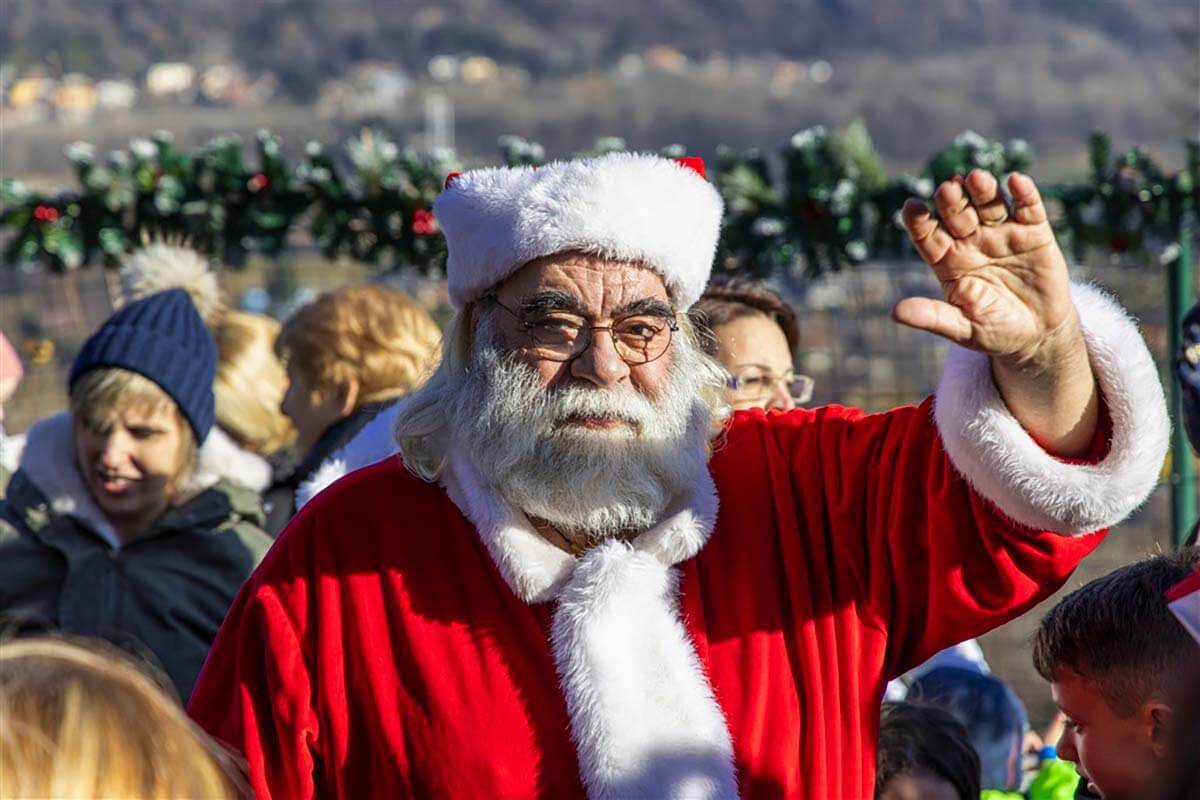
(408, 639)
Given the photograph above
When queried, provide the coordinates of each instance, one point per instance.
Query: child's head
(82, 719)
(994, 717)
(924, 753)
(1115, 657)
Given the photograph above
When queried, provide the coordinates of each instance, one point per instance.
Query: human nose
(114, 453)
(600, 363)
(780, 398)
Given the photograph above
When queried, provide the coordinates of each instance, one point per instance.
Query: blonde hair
(251, 382)
(374, 335)
(422, 425)
(99, 394)
(85, 721)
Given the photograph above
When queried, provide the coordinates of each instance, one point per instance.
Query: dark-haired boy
(1115, 657)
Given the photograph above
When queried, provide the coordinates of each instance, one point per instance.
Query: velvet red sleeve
(255, 692)
(922, 556)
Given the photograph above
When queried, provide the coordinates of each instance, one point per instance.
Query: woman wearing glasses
(753, 335)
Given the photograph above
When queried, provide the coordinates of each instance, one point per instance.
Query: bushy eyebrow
(552, 300)
(556, 300)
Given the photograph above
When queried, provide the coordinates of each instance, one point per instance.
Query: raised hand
(1002, 273)
(1007, 294)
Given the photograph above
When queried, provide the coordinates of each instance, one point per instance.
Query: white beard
(583, 481)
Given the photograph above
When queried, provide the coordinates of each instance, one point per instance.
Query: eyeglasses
(754, 384)
(562, 336)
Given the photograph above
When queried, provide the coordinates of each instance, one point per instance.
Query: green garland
(828, 205)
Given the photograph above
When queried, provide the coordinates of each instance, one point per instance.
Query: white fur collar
(222, 456)
(49, 462)
(644, 719)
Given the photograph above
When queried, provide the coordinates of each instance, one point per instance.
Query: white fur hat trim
(622, 206)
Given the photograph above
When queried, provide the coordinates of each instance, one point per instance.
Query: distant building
(74, 99)
(478, 70)
(665, 59)
(443, 68)
(29, 99)
(372, 88)
(171, 80)
(116, 95)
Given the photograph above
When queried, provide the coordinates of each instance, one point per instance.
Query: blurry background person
(82, 720)
(924, 754)
(993, 716)
(111, 527)
(11, 372)
(752, 333)
(251, 436)
(349, 355)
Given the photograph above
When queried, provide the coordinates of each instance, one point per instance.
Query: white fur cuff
(1002, 462)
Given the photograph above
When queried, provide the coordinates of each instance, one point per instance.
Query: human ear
(1161, 719)
(348, 396)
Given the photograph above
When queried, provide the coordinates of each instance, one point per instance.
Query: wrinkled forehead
(601, 287)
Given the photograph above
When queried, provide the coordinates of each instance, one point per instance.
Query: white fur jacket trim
(644, 719)
(1004, 464)
(374, 442)
(49, 462)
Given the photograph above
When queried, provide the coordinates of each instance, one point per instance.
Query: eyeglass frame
(672, 328)
(733, 384)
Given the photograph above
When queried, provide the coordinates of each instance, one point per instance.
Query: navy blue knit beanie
(163, 338)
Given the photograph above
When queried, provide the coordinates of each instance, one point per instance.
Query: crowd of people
(592, 539)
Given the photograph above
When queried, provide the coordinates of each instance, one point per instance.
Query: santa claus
(581, 577)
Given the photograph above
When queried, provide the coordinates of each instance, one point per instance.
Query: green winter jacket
(163, 595)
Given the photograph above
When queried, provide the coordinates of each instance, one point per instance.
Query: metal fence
(848, 343)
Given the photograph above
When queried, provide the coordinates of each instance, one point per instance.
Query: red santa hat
(624, 206)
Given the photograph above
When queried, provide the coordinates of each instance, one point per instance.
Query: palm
(1003, 275)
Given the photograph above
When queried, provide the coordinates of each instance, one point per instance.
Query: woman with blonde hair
(82, 720)
(350, 354)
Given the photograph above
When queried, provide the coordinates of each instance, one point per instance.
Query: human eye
(143, 432)
(554, 327)
(645, 327)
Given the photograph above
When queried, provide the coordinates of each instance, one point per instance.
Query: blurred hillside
(742, 73)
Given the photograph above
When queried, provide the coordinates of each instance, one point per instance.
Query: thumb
(935, 316)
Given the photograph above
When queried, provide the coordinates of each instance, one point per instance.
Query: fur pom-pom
(160, 265)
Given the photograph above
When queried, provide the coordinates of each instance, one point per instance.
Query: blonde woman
(350, 354)
(112, 526)
(82, 720)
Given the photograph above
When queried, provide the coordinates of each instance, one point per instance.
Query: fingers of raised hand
(954, 208)
(1028, 208)
(935, 316)
(985, 194)
(931, 240)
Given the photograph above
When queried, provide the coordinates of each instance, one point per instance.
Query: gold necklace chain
(577, 549)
